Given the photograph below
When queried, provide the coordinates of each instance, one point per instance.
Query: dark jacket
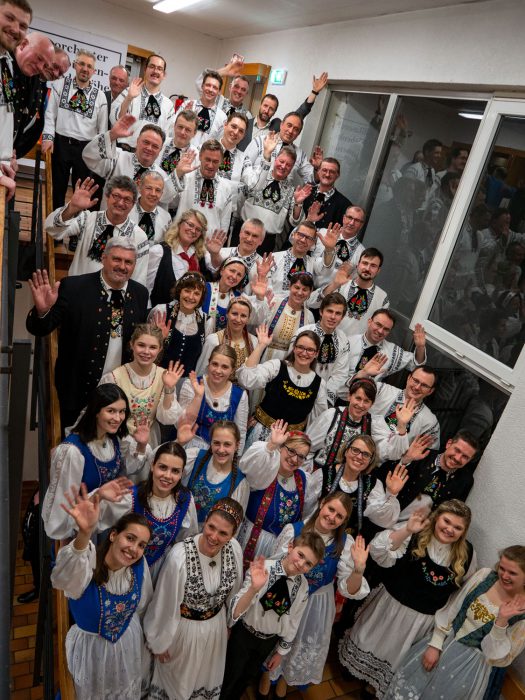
(82, 314)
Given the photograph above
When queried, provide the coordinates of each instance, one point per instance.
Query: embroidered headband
(192, 277)
(233, 259)
(240, 300)
(299, 434)
(226, 508)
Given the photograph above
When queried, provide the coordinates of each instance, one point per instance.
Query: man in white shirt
(147, 213)
(77, 111)
(334, 354)
(145, 101)
(251, 237)
(210, 118)
(118, 82)
(290, 129)
(95, 229)
(264, 122)
(372, 355)
(348, 246)
(274, 199)
(425, 171)
(184, 129)
(405, 414)
(15, 18)
(363, 296)
(200, 187)
(104, 157)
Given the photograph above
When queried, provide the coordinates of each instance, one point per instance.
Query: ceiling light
(471, 115)
(173, 5)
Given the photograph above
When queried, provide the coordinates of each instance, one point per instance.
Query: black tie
(297, 266)
(117, 299)
(430, 179)
(170, 162)
(7, 82)
(319, 197)
(226, 164)
(152, 108)
(78, 102)
(232, 110)
(341, 250)
(272, 191)
(146, 224)
(207, 192)
(138, 173)
(99, 244)
(277, 597)
(204, 120)
(368, 354)
(327, 350)
(358, 303)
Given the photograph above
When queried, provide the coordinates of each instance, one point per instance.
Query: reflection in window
(481, 298)
(350, 133)
(427, 153)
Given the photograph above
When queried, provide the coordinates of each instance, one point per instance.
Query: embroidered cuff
(284, 647)
(48, 137)
(438, 638)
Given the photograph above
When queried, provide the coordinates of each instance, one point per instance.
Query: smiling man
(147, 214)
(145, 101)
(105, 158)
(77, 111)
(406, 418)
(95, 229)
(96, 314)
(330, 205)
(14, 21)
(435, 476)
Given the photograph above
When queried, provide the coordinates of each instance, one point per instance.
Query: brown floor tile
(342, 686)
(323, 691)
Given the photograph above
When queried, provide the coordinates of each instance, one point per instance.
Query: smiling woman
(427, 559)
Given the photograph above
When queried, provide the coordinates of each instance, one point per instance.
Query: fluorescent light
(471, 115)
(173, 5)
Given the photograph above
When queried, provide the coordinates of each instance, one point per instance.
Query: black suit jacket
(332, 211)
(82, 314)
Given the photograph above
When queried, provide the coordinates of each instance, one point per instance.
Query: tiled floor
(23, 646)
(24, 625)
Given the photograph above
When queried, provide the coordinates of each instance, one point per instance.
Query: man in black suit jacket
(96, 314)
(330, 204)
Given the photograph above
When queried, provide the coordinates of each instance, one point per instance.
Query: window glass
(350, 133)
(427, 152)
(481, 298)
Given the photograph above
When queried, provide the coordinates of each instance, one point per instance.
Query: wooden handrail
(3, 199)
(67, 688)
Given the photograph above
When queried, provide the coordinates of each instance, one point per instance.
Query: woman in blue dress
(108, 589)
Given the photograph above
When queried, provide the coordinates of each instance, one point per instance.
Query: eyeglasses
(353, 218)
(419, 384)
(304, 236)
(192, 226)
(121, 198)
(307, 351)
(297, 455)
(366, 456)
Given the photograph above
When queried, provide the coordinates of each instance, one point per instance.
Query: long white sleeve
(73, 569)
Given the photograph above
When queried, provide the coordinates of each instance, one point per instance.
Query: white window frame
(479, 362)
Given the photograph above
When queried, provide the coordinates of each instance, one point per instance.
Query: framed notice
(108, 53)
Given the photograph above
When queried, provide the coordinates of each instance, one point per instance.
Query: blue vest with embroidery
(204, 492)
(107, 614)
(163, 532)
(208, 415)
(324, 571)
(96, 472)
(285, 507)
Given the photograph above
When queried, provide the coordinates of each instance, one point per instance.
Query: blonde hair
(147, 329)
(172, 234)
(460, 549)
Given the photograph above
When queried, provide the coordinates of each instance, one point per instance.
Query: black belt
(71, 140)
(192, 614)
(256, 633)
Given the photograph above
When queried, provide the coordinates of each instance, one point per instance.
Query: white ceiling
(226, 19)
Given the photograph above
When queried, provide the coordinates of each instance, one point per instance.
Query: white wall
(411, 47)
(185, 51)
